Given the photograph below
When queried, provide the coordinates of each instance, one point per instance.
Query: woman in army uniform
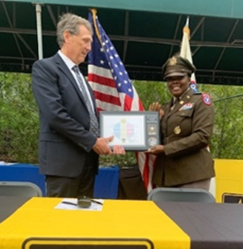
(187, 121)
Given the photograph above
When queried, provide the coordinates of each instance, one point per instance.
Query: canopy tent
(145, 34)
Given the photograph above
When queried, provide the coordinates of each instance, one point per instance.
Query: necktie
(94, 127)
(176, 100)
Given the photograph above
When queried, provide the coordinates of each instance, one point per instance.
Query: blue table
(22, 173)
(106, 183)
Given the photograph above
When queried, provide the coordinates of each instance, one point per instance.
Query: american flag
(112, 86)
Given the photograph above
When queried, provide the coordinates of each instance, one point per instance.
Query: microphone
(83, 202)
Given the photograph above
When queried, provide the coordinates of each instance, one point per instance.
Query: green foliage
(19, 125)
(227, 139)
(19, 119)
(150, 92)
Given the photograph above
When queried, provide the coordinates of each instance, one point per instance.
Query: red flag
(112, 86)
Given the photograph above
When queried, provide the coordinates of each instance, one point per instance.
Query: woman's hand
(118, 150)
(156, 106)
(157, 149)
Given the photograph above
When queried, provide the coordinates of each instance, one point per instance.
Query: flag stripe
(103, 72)
(102, 80)
(104, 89)
(107, 98)
(104, 106)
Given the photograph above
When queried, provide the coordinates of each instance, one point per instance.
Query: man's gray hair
(71, 23)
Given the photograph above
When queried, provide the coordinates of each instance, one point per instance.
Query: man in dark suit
(69, 144)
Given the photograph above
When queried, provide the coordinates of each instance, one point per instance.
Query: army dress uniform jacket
(185, 133)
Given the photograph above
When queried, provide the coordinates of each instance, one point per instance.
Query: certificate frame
(134, 130)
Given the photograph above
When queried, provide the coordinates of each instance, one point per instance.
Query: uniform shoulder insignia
(206, 99)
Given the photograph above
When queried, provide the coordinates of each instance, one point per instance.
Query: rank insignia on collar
(172, 61)
(206, 99)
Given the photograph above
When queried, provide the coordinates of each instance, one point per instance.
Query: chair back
(25, 189)
(181, 195)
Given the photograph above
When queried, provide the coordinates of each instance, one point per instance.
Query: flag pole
(187, 21)
(94, 12)
(186, 28)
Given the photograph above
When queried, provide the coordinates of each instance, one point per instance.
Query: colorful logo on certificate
(152, 141)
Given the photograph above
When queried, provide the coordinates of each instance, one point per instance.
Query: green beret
(177, 66)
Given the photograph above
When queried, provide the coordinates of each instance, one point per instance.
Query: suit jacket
(185, 133)
(65, 142)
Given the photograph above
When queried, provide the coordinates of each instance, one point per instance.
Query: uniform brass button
(177, 130)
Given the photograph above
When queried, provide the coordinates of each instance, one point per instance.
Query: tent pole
(39, 31)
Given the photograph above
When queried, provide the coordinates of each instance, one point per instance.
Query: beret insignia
(172, 61)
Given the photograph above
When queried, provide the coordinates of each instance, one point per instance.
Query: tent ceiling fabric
(145, 33)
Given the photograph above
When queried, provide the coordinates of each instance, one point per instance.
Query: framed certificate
(135, 130)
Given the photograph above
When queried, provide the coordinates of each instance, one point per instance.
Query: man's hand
(157, 149)
(118, 150)
(101, 146)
